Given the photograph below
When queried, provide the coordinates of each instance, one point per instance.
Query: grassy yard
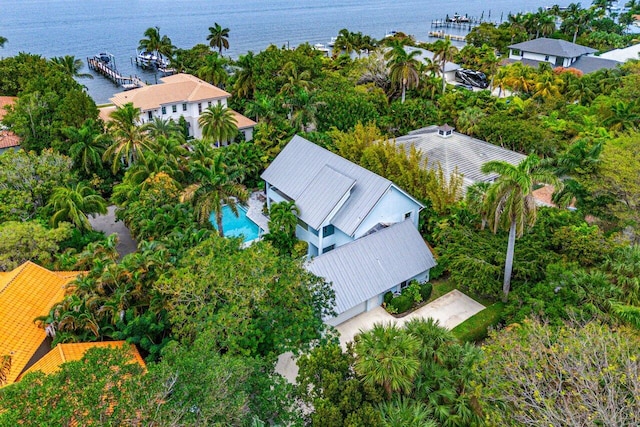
(475, 328)
(441, 287)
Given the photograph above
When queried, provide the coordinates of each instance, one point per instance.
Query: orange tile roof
(105, 112)
(4, 101)
(242, 121)
(63, 353)
(8, 139)
(27, 292)
(174, 89)
(544, 196)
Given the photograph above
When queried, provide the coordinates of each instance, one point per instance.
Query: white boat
(390, 34)
(332, 42)
(322, 48)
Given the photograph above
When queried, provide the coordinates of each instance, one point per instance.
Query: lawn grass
(476, 327)
(441, 287)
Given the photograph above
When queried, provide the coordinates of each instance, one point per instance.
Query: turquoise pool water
(236, 226)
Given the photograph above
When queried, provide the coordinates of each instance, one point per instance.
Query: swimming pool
(235, 226)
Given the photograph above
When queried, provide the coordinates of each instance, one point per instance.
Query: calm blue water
(85, 27)
(236, 226)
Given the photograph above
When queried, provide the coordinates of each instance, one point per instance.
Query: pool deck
(254, 211)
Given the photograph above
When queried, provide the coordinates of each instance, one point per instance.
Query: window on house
(164, 110)
(328, 248)
(328, 230)
(407, 215)
(209, 103)
(404, 284)
(219, 102)
(199, 108)
(150, 115)
(184, 107)
(546, 57)
(174, 108)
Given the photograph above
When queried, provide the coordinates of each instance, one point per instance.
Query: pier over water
(105, 64)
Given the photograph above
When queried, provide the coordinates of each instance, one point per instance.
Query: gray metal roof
(311, 175)
(457, 152)
(553, 47)
(589, 64)
(373, 264)
(427, 54)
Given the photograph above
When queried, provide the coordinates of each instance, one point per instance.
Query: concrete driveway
(450, 310)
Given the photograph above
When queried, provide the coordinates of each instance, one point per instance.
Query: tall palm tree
(213, 69)
(214, 188)
(284, 217)
(218, 124)
(74, 204)
(87, 145)
(71, 66)
(130, 137)
(403, 67)
(443, 52)
(510, 201)
(387, 356)
(154, 42)
(218, 37)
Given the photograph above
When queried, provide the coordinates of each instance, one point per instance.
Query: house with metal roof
(559, 53)
(338, 200)
(456, 153)
(179, 95)
(362, 271)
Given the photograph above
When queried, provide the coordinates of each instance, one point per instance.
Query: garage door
(343, 317)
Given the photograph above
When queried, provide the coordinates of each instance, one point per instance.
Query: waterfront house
(559, 53)
(457, 153)
(362, 230)
(180, 95)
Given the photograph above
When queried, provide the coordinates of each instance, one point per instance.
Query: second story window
(174, 108)
(199, 108)
(164, 110)
(209, 103)
(328, 248)
(184, 107)
(150, 115)
(328, 230)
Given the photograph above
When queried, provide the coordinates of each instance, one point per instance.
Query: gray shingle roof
(589, 64)
(553, 47)
(312, 176)
(373, 264)
(458, 152)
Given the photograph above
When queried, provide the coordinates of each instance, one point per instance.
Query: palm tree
(510, 202)
(73, 205)
(213, 189)
(476, 198)
(130, 138)
(218, 37)
(70, 66)
(154, 42)
(3, 40)
(245, 82)
(403, 67)
(387, 356)
(406, 413)
(284, 217)
(213, 69)
(218, 124)
(547, 86)
(262, 108)
(87, 145)
(444, 51)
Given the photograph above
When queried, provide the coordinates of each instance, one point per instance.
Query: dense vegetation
(211, 318)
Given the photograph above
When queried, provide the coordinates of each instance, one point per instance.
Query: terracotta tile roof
(63, 353)
(4, 101)
(174, 89)
(27, 292)
(8, 139)
(242, 121)
(544, 196)
(105, 112)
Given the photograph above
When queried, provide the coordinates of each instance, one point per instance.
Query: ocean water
(85, 27)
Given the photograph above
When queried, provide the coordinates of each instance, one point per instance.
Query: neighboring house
(362, 229)
(559, 53)
(449, 67)
(457, 153)
(362, 271)
(338, 200)
(63, 353)
(180, 95)
(27, 292)
(8, 139)
(624, 54)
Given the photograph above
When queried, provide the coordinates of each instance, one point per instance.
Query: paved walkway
(254, 212)
(109, 225)
(449, 310)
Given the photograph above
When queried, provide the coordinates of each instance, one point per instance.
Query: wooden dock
(443, 35)
(110, 72)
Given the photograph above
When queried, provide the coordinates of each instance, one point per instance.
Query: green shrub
(477, 326)
(388, 297)
(401, 303)
(425, 290)
(413, 292)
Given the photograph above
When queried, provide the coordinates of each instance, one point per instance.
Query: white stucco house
(180, 95)
(559, 53)
(361, 228)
